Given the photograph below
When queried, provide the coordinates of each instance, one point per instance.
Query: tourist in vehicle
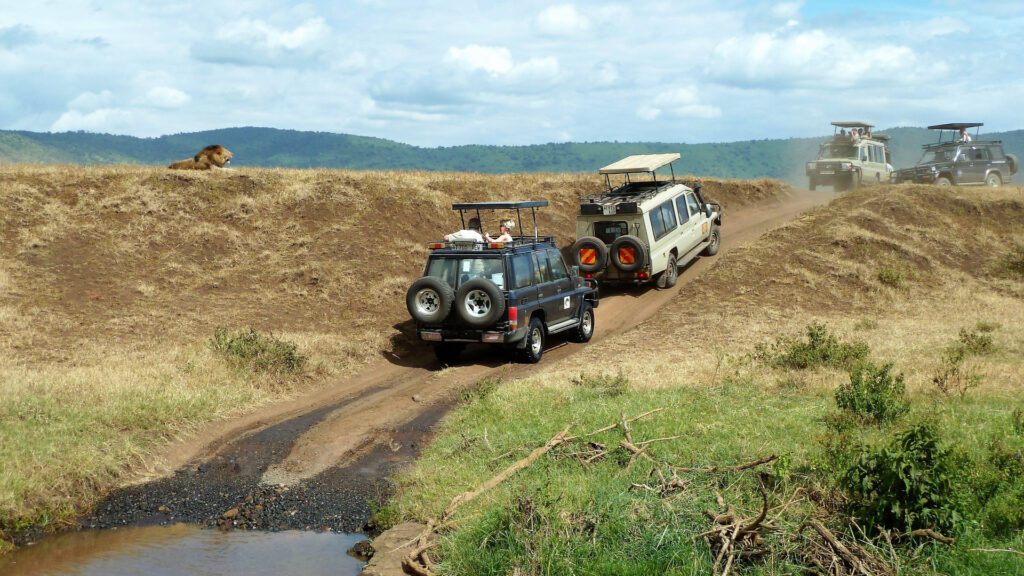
(964, 136)
(506, 232)
(854, 137)
(471, 234)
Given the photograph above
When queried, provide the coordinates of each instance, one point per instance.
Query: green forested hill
(290, 148)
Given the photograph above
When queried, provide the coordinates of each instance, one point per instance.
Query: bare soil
(316, 461)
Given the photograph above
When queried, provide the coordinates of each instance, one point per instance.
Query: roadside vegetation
(138, 305)
(810, 418)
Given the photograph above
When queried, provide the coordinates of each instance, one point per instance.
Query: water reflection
(184, 549)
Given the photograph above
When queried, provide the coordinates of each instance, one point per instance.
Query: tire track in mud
(317, 462)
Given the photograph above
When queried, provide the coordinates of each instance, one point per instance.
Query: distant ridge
(271, 147)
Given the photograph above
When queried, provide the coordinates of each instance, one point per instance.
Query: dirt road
(316, 461)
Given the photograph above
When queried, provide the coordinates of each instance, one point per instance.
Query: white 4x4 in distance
(644, 229)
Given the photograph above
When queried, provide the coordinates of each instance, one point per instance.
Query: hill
(269, 147)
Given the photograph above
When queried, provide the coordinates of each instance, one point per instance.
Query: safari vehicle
(644, 229)
(846, 161)
(513, 294)
(952, 161)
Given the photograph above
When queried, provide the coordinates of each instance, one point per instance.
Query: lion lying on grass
(215, 156)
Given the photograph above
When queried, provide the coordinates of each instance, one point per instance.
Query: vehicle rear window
(522, 270)
(663, 219)
(607, 232)
(456, 271)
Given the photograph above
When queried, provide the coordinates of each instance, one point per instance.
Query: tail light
(643, 276)
(588, 275)
(513, 317)
(627, 255)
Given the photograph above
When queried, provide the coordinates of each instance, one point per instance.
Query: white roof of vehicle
(640, 163)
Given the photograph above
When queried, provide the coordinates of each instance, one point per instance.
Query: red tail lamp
(513, 317)
(588, 275)
(643, 276)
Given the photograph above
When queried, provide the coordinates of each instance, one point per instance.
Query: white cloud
(113, 120)
(682, 102)
(562, 20)
(812, 59)
(254, 42)
(167, 97)
(88, 101)
(787, 10)
(493, 60)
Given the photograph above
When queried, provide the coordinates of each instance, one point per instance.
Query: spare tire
(429, 300)
(479, 303)
(590, 254)
(1013, 162)
(628, 253)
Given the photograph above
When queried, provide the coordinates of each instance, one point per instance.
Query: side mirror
(575, 271)
(707, 210)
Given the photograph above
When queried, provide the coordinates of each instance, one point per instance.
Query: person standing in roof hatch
(471, 234)
(506, 232)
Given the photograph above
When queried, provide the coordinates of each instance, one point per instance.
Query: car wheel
(429, 300)
(534, 349)
(448, 352)
(812, 185)
(479, 303)
(585, 331)
(668, 278)
(628, 253)
(590, 254)
(716, 243)
(993, 180)
(878, 178)
(942, 181)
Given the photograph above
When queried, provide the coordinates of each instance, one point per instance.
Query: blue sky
(439, 73)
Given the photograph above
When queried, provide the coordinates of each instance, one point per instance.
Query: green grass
(561, 517)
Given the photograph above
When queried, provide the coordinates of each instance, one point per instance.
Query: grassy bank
(115, 280)
(765, 356)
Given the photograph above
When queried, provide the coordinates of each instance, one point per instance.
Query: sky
(442, 73)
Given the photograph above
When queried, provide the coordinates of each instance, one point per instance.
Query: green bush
(873, 393)
(821, 348)
(907, 484)
(977, 342)
(999, 486)
(891, 277)
(1017, 421)
(1012, 263)
(604, 384)
(482, 389)
(260, 352)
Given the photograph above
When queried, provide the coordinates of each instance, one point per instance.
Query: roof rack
(852, 124)
(640, 163)
(954, 126)
(463, 207)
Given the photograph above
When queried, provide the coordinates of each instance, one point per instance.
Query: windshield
(831, 151)
(455, 270)
(938, 155)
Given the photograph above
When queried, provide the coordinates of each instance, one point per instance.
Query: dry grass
(112, 279)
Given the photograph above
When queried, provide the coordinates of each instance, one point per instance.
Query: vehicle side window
(541, 274)
(872, 154)
(663, 220)
(981, 154)
(692, 203)
(522, 270)
(557, 266)
(863, 153)
(681, 208)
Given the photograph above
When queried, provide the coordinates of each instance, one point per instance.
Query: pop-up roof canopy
(500, 205)
(956, 125)
(852, 124)
(639, 163)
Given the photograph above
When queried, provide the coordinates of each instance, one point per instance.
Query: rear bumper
(468, 335)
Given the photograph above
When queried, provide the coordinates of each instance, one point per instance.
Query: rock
(231, 513)
(390, 547)
(362, 550)
(163, 510)
(416, 398)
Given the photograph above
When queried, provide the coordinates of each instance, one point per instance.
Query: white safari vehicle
(643, 228)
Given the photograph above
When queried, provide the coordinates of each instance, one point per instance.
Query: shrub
(260, 352)
(999, 486)
(482, 389)
(604, 384)
(821, 348)
(1017, 421)
(908, 484)
(891, 277)
(873, 393)
(977, 342)
(1012, 263)
(953, 375)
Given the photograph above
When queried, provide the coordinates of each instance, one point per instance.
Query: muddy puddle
(184, 549)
